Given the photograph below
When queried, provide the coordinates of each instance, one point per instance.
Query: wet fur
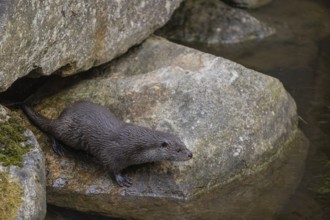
(115, 144)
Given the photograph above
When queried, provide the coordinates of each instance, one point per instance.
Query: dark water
(299, 56)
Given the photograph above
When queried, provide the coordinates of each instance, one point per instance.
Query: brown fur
(115, 144)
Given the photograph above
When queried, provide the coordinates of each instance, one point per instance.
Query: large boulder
(22, 171)
(66, 37)
(213, 22)
(241, 126)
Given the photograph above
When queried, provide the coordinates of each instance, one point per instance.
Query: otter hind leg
(123, 180)
(57, 146)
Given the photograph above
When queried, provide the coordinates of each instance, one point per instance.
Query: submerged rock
(240, 125)
(212, 22)
(22, 171)
(66, 37)
(247, 3)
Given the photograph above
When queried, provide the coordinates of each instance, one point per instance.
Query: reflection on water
(299, 55)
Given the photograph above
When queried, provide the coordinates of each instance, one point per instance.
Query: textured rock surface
(240, 125)
(248, 3)
(26, 189)
(212, 21)
(71, 36)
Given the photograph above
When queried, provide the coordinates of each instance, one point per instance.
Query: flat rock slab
(66, 37)
(239, 124)
(22, 183)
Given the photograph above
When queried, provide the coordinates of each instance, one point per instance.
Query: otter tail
(37, 119)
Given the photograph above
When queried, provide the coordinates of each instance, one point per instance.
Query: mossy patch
(11, 137)
(10, 196)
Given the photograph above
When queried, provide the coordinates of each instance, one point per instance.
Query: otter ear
(164, 144)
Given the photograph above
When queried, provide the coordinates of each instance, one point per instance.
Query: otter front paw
(123, 180)
(57, 146)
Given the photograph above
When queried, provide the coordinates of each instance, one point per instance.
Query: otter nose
(190, 155)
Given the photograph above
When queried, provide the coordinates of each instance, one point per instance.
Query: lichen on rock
(10, 196)
(12, 138)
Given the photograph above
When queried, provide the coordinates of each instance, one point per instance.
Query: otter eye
(164, 144)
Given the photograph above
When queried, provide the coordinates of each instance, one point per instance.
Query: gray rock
(213, 22)
(66, 37)
(241, 126)
(23, 183)
(248, 3)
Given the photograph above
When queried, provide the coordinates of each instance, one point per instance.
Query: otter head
(146, 145)
(172, 148)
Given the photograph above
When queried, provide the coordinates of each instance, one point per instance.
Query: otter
(115, 144)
